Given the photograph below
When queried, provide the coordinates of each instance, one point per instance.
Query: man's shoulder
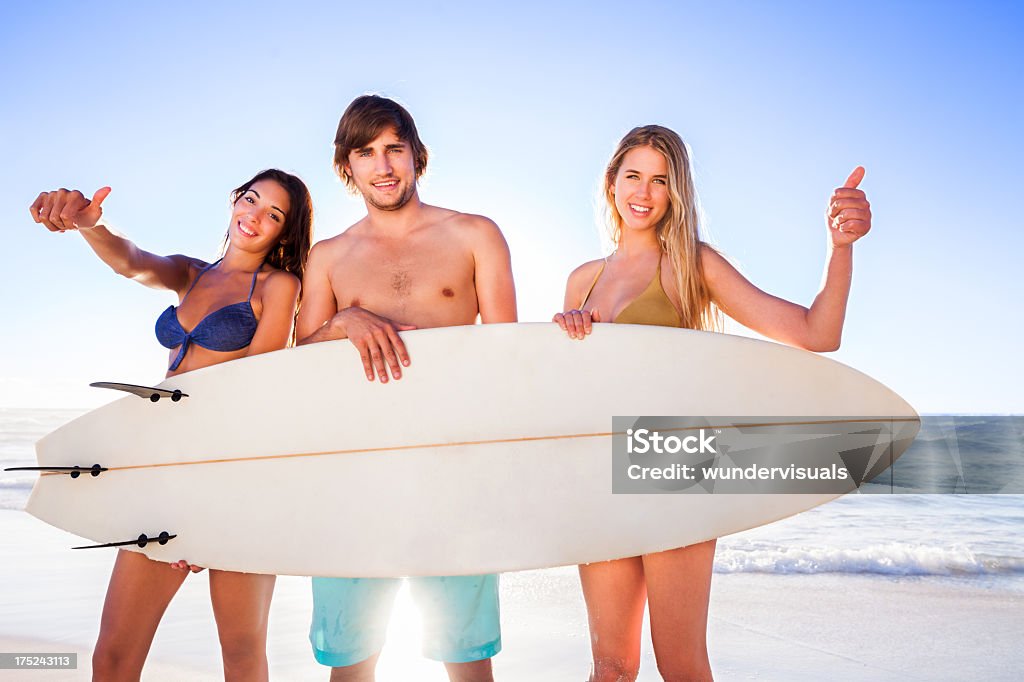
(466, 225)
(339, 242)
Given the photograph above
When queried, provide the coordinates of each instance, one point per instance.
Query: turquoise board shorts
(460, 617)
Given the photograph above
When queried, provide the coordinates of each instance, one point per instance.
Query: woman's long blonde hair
(679, 231)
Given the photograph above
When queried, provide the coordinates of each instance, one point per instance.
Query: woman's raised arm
(63, 209)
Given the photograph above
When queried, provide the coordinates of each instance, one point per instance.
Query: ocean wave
(888, 559)
(36, 419)
(17, 482)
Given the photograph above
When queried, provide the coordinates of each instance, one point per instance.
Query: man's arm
(495, 288)
(318, 303)
(376, 338)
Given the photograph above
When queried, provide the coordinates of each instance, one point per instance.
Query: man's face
(384, 171)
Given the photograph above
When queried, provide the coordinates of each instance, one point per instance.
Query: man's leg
(350, 620)
(363, 671)
(472, 671)
(461, 624)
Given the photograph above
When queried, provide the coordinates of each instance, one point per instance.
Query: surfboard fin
(151, 393)
(75, 472)
(141, 541)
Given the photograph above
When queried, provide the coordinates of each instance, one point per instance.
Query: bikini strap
(253, 287)
(196, 280)
(593, 284)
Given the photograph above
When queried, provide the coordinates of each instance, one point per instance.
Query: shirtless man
(406, 265)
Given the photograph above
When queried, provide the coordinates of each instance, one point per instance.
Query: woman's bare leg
(138, 594)
(615, 596)
(678, 591)
(241, 606)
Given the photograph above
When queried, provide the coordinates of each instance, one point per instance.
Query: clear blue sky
(172, 104)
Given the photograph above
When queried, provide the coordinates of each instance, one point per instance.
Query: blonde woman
(662, 273)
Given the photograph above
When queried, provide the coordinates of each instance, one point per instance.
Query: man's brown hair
(366, 118)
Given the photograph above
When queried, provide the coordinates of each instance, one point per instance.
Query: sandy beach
(763, 627)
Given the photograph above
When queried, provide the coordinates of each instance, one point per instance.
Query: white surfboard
(492, 453)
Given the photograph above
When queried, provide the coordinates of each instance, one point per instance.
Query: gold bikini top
(652, 306)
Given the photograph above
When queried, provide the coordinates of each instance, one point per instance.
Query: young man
(406, 265)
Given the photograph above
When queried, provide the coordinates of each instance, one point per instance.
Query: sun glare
(402, 657)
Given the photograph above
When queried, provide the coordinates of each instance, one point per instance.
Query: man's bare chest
(420, 275)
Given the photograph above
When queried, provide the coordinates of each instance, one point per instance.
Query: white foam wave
(17, 483)
(888, 559)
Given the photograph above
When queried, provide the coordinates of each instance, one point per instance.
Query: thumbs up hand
(64, 209)
(849, 214)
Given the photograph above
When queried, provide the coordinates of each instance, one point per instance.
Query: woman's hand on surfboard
(376, 338)
(186, 566)
(577, 323)
(849, 214)
(64, 209)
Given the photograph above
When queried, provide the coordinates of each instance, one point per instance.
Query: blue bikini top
(225, 329)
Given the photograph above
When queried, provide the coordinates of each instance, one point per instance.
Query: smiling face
(641, 188)
(384, 171)
(258, 216)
